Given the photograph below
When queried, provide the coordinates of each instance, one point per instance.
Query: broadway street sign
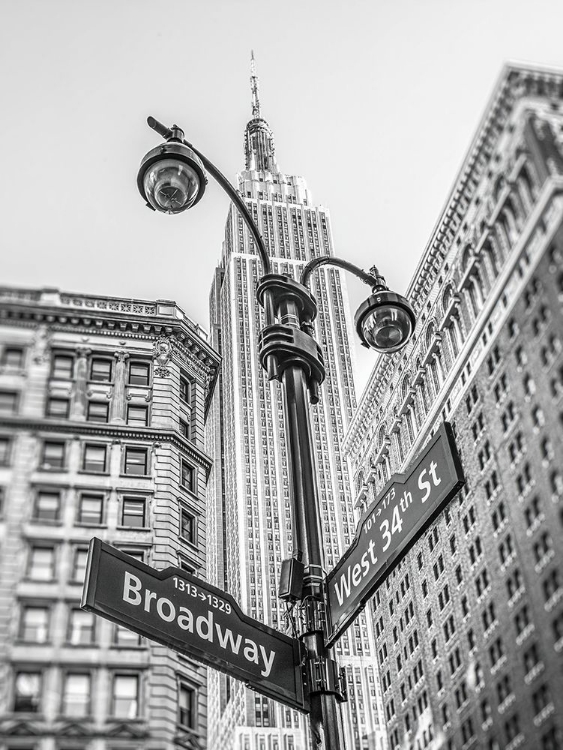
(390, 526)
(183, 612)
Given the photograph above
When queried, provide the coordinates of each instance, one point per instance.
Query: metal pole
(321, 670)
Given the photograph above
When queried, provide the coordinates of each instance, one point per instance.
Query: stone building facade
(469, 626)
(102, 408)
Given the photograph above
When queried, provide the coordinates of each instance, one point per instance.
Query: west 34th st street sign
(187, 614)
(390, 526)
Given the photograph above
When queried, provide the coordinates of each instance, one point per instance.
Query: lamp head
(385, 321)
(171, 178)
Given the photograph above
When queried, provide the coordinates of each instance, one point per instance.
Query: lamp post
(172, 179)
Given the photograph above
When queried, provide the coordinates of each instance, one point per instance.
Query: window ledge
(23, 642)
(191, 545)
(133, 528)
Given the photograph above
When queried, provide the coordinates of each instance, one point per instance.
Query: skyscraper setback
(249, 519)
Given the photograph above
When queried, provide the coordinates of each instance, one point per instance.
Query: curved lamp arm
(372, 279)
(177, 133)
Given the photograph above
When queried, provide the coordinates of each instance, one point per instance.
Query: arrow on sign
(179, 610)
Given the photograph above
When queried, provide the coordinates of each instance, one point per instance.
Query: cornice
(105, 324)
(109, 432)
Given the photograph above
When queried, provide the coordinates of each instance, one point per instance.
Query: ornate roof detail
(259, 148)
(516, 84)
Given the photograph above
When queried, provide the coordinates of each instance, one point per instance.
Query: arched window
(526, 187)
(508, 221)
(405, 386)
(473, 304)
(424, 397)
(501, 240)
(513, 205)
(381, 436)
(429, 339)
(409, 425)
(466, 258)
(447, 298)
(400, 449)
(360, 482)
(498, 187)
(491, 256)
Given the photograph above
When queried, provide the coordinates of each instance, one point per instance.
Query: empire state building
(249, 524)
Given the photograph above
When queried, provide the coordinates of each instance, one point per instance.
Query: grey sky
(374, 103)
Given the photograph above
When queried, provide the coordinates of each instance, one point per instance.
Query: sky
(374, 102)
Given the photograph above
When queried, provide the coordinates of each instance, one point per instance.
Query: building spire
(254, 86)
(259, 150)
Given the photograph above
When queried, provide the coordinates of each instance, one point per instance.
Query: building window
(125, 638)
(98, 411)
(27, 692)
(53, 455)
(5, 445)
(76, 695)
(139, 373)
(133, 512)
(187, 700)
(136, 461)
(187, 476)
(136, 554)
(125, 696)
(81, 627)
(91, 508)
(100, 370)
(62, 367)
(184, 429)
(79, 564)
(34, 625)
(12, 357)
(188, 526)
(8, 403)
(138, 415)
(47, 505)
(94, 460)
(58, 408)
(185, 390)
(41, 565)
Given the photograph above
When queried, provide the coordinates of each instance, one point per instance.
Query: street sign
(390, 526)
(179, 610)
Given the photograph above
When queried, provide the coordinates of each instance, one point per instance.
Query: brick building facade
(469, 626)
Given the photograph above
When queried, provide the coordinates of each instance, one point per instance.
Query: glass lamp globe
(171, 178)
(385, 322)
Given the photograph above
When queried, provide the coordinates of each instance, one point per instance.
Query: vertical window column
(79, 399)
(117, 414)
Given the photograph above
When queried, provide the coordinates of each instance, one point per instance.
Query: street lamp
(172, 179)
